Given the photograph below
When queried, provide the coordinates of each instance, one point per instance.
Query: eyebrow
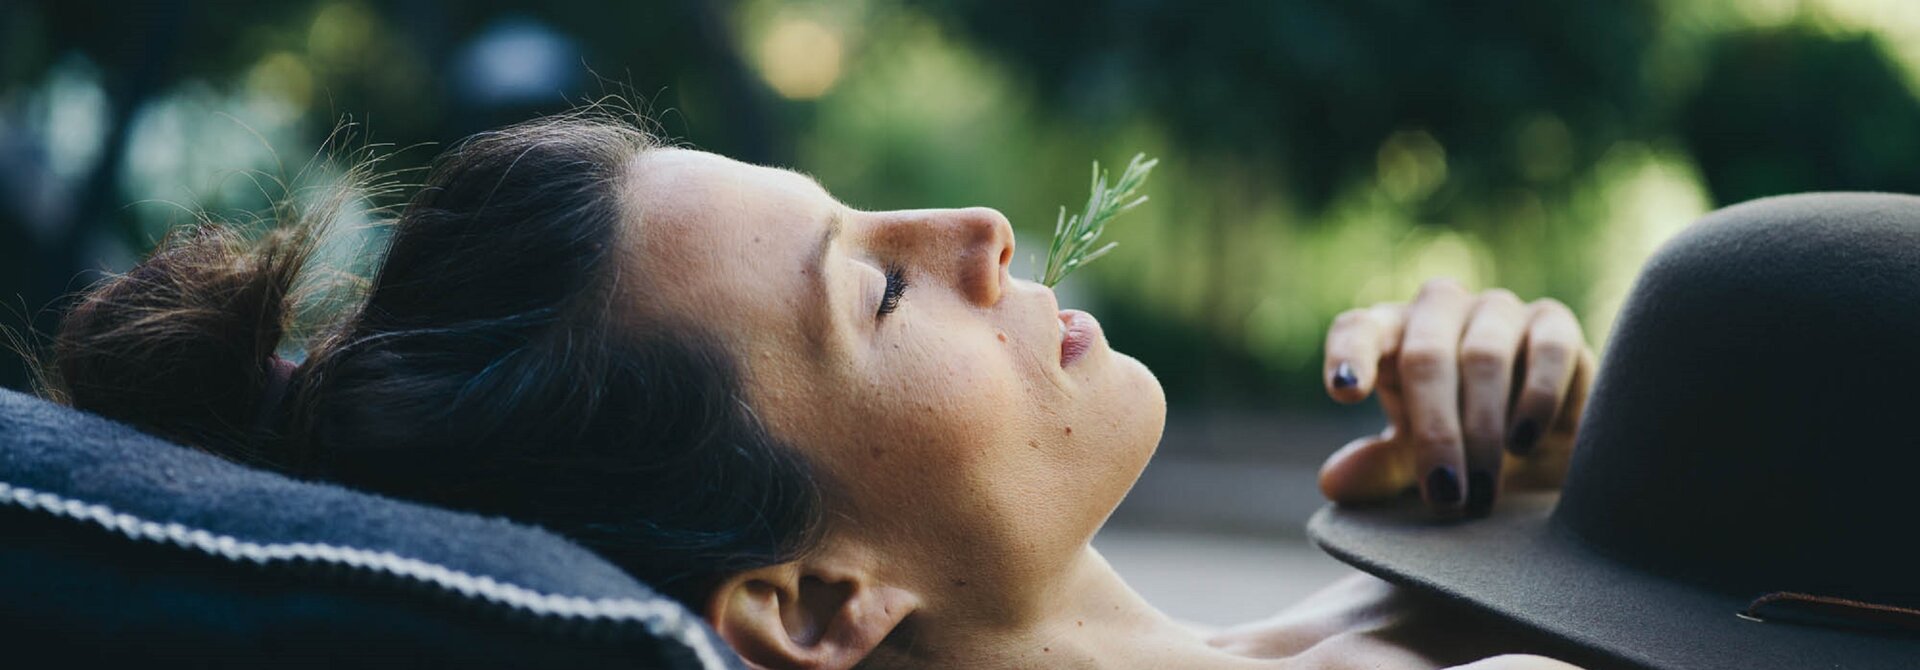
(834, 226)
(821, 312)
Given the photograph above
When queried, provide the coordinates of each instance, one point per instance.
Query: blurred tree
(1318, 152)
(388, 65)
(1314, 87)
(1446, 107)
(1791, 109)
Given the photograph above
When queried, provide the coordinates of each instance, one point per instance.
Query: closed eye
(896, 288)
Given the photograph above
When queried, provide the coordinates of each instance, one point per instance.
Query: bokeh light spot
(1411, 165)
(1544, 148)
(800, 58)
(281, 85)
(340, 34)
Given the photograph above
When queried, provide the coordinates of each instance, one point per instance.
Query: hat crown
(1752, 426)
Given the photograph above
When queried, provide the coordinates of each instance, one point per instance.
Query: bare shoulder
(1361, 616)
(1356, 604)
(1517, 662)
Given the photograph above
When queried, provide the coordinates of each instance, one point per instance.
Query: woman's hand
(1480, 391)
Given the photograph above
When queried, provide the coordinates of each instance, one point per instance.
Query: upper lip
(1053, 305)
(1059, 326)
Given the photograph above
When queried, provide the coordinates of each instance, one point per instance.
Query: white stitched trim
(661, 618)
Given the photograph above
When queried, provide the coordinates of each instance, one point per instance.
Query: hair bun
(182, 345)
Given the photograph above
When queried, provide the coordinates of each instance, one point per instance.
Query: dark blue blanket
(118, 545)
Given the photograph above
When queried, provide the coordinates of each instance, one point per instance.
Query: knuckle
(1551, 354)
(1436, 433)
(1481, 360)
(1352, 318)
(1442, 286)
(1500, 296)
(1420, 363)
(1552, 306)
(1487, 423)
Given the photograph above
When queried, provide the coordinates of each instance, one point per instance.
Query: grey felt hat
(1745, 490)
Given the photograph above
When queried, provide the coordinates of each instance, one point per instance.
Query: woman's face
(930, 388)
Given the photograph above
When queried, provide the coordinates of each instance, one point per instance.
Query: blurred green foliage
(1317, 154)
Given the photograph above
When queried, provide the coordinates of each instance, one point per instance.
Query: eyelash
(896, 287)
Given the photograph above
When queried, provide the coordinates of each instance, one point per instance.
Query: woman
(843, 436)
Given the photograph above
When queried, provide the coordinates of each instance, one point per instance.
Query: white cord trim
(660, 617)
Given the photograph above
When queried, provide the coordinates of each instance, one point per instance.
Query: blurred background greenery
(1316, 154)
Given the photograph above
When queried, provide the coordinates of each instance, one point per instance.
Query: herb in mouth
(1074, 237)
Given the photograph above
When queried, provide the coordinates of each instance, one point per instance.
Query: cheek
(938, 437)
(948, 394)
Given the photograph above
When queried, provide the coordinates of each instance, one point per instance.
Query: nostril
(985, 238)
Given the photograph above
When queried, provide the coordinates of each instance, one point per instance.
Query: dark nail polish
(1479, 492)
(1343, 377)
(1443, 486)
(1524, 435)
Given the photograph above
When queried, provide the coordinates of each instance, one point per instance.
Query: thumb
(1369, 469)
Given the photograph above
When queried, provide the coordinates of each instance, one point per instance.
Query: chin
(1131, 410)
(1151, 401)
(1145, 414)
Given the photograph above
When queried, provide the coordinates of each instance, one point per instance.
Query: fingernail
(1343, 376)
(1479, 492)
(1524, 434)
(1443, 486)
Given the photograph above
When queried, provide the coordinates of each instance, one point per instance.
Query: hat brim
(1518, 565)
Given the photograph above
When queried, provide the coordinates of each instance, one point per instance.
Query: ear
(794, 616)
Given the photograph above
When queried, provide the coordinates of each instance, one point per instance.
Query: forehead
(721, 243)
(682, 187)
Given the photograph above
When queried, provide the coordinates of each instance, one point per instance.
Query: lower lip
(1081, 334)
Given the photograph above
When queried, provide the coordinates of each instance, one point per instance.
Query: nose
(968, 248)
(984, 239)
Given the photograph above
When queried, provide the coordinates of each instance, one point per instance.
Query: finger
(1369, 469)
(1430, 385)
(1389, 391)
(1487, 350)
(1356, 342)
(1578, 391)
(1554, 347)
(1546, 465)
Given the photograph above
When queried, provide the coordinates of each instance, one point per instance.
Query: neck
(1086, 617)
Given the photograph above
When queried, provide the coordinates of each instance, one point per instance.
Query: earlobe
(789, 616)
(745, 610)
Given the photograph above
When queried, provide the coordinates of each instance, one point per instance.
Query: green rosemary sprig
(1074, 237)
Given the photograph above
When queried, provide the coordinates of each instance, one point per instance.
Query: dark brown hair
(492, 366)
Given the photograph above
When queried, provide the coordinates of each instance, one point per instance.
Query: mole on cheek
(1069, 430)
(1002, 336)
